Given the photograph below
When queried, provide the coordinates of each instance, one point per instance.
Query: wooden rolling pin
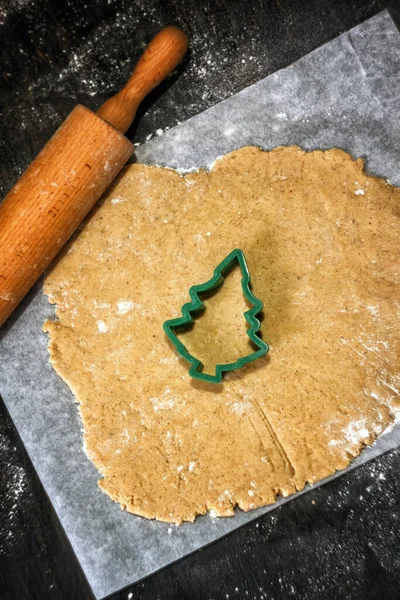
(72, 171)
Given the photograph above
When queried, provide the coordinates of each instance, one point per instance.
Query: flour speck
(102, 327)
(240, 408)
(124, 306)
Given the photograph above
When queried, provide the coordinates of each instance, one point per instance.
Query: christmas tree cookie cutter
(192, 309)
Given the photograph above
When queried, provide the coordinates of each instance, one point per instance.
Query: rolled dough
(321, 240)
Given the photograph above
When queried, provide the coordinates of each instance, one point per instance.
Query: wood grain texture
(52, 197)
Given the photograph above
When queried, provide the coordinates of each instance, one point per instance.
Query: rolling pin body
(52, 197)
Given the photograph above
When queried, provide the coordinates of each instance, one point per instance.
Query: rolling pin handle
(158, 61)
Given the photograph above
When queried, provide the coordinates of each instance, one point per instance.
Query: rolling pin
(72, 171)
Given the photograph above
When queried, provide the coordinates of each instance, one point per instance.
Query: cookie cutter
(192, 309)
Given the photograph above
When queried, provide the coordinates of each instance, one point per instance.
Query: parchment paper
(344, 94)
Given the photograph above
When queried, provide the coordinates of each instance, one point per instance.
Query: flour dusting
(124, 306)
(102, 327)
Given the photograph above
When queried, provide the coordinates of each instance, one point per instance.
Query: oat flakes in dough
(321, 240)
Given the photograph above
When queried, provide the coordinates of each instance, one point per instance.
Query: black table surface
(339, 541)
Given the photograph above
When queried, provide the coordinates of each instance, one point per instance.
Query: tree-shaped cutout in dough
(193, 309)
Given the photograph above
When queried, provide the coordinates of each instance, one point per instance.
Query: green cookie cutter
(192, 309)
